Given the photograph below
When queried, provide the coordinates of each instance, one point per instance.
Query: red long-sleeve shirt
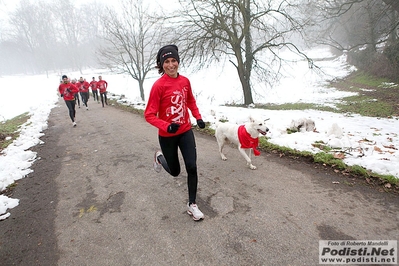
(83, 86)
(79, 86)
(93, 85)
(169, 102)
(102, 85)
(68, 91)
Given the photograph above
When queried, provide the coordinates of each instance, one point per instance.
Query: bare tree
(34, 34)
(92, 31)
(50, 35)
(348, 25)
(70, 22)
(366, 29)
(132, 39)
(249, 33)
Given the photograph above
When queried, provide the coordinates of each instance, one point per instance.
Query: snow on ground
(369, 142)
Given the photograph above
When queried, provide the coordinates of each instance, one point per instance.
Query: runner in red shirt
(168, 107)
(84, 91)
(94, 90)
(77, 95)
(67, 91)
(102, 85)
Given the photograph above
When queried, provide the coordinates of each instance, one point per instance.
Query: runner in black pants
(94, 90)
(77, 94)
(102, 85)
(83, 86)
(68, 91)
(169, 104)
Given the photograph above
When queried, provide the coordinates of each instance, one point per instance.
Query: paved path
(94, 199)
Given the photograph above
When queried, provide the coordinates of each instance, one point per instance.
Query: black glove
(68, 90)
(200, 123)
(62, 95)
(172, 128)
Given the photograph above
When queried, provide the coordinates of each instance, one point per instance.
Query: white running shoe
(157, 163)
(87, 108)
(194, 211)
(74, 124)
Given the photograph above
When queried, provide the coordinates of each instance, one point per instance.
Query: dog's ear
(251, 119)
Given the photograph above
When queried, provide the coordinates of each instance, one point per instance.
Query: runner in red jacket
(168, 107)
(84, 91)
(77, 95)
(102, 85)
(67, 91)
(94, 90)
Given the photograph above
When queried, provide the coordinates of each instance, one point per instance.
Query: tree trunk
(247, 93)
(248, 54)
(141, 87)
(245, 84)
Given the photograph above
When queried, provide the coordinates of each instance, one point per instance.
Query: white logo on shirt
(178, 106)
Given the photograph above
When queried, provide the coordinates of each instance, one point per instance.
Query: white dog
(246, 137)
(303, 124)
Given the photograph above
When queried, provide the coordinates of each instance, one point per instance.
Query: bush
(391, 53)
(384, 65)
(360, 58)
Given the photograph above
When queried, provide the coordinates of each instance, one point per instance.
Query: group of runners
(97, 87)
(74, 91)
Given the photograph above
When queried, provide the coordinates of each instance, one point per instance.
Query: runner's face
(171, 66)
(65, 80)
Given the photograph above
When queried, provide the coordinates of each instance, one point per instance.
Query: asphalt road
(94, 199)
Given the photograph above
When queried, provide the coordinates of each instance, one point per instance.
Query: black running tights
(104, 98)
(77, 98)
(186, 143)
(95, 95)
(85, 97)
(71, 108)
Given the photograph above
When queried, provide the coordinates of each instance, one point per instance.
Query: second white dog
(245, 137)
(302, 125)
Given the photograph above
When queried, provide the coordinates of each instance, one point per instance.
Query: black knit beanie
(64, 77)
(168, 51)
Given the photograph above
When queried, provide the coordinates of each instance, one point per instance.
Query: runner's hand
(172, 128)
(200, 123)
